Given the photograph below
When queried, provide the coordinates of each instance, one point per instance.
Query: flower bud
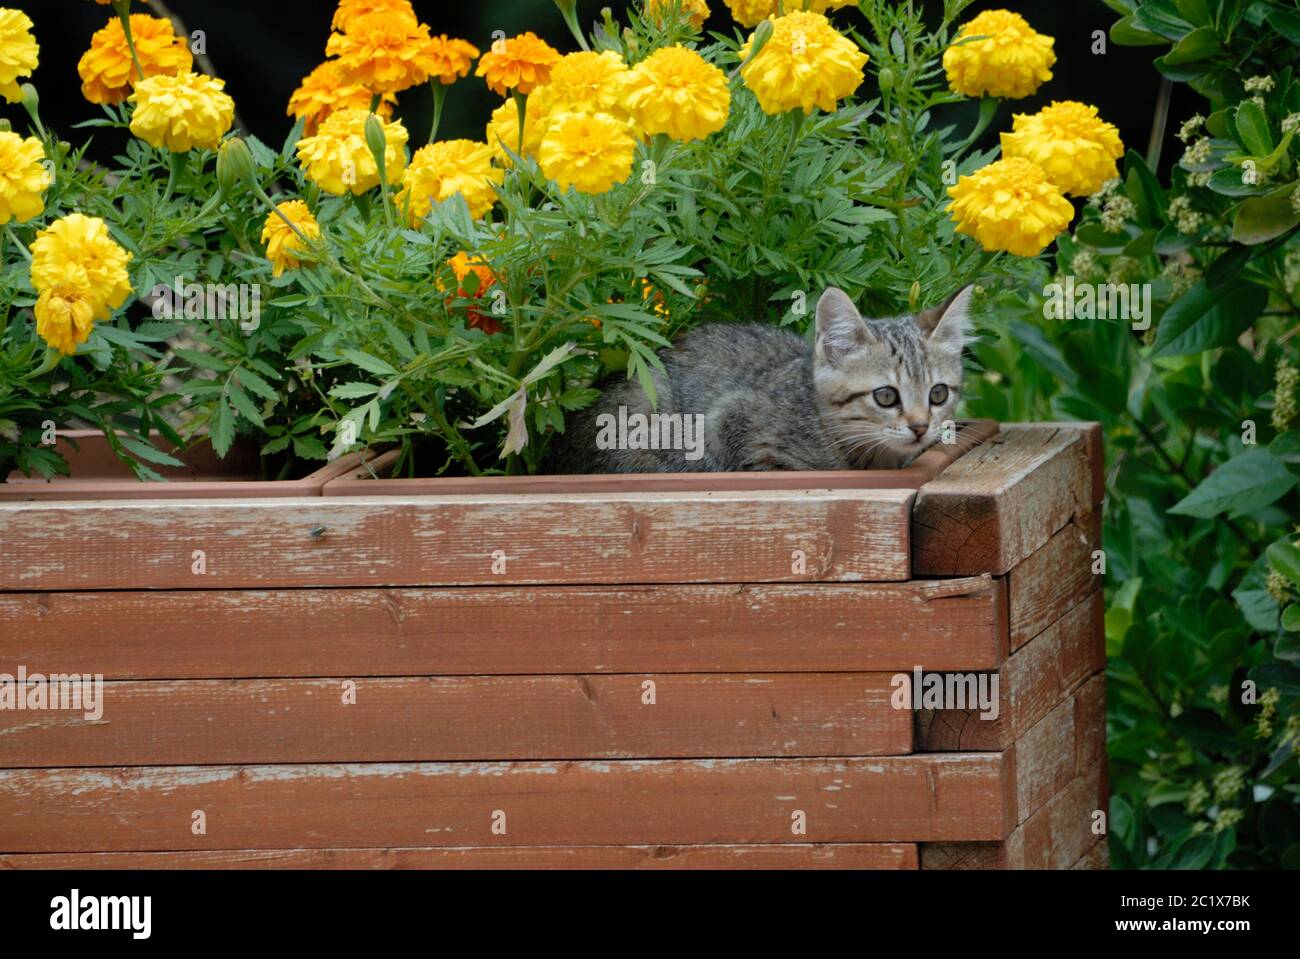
(886, 79)
(377, 142)
(31, 99)
(762, 34)
(914, 296)
(234, 165)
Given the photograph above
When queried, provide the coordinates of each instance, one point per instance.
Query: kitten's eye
(886, 396)
(939, 394)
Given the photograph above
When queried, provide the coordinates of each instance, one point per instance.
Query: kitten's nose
(918, 429)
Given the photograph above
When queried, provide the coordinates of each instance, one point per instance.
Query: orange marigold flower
(349, 10)
(107, 73)
(521, 64)
(385, 52)
(463, 266)
(449, 59)
(323, 91)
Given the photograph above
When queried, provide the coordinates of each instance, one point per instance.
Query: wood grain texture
(1054, 579)
(754, 856)
(1045, 757)
(1003, 500)
(1098, 857)
(906, 799)
(199, 722)
(773, 536)
(1032, 682)
(950, 624)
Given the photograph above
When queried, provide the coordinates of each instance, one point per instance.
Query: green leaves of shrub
(1243, 484)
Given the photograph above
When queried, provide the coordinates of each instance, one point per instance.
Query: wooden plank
(1004, 499)
(1037, 677)
(1098, 857)
(904, 799)
(1053, 580)
(461, 718)
(774, 536)
(1045, 757)
(950, 624)
(754, 856)
(1090, 721)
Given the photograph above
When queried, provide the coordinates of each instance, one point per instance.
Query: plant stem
(439, 98)
(521, 105)
(1158, 121)
(123, 8)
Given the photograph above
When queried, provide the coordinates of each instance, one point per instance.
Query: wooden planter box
(406, 674)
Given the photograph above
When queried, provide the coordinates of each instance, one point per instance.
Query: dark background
(263, 48)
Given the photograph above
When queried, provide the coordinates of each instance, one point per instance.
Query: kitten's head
(888, 385)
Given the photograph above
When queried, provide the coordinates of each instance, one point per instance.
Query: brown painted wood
(770, 536)
(97, 474)
(753, 856)
(911, 798)
(373, 481)
(1034, 680)
(1090, 721)
(1054, 579)
(1004, 499)
(1098, 857)
(863, 627)
(467, 718)
(1045, 756)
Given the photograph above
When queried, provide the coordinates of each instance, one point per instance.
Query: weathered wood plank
(951, 624)
(199, 722)
(755, 856)
(1004, 499)
(1032, 682)
(1054, 579)
(1045, 756)
(773, 536)
(912, 798)
(1098, 857)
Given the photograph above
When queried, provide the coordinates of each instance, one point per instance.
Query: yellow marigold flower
(106, 70)
(337, 159)
(182, 112)
(586, 81)
(749, 13)
(697, 11)
(449, 59)
(78, 250)
(385, 52)
(806, 63)
(587, 151)
(65, 315)
(677, 92)
(323, 91)
(349, 10)
(1074, 146)
(441, 170)
(1011, 60)
(23, 177)
(284, 248)
(503, 130)
(19, 52)
(1010, 205)
(520, 64)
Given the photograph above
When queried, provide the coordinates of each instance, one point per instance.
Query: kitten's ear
(840, 327)
(947, 325)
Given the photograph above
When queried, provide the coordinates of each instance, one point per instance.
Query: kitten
(870, 394)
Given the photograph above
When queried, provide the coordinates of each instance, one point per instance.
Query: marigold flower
(441, 170)
(386, 51)
(323, 91)
(805, 63)
(349, 10)
(750, 13)
(284, 248)
(65, 315)
(586, 81)
(182, 112)
(1010, 205)
(520, 64)
(23, 177)
(337, 158)
(697, 11)
(449, 59)
(1074, 146)
(78, 250)
(1011, 60)
(19, 52)
(106, 69)
(503, 131)
(463, 266)
(587, 151)
(677, 92)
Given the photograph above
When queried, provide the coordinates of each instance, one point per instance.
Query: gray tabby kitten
(871, 394)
